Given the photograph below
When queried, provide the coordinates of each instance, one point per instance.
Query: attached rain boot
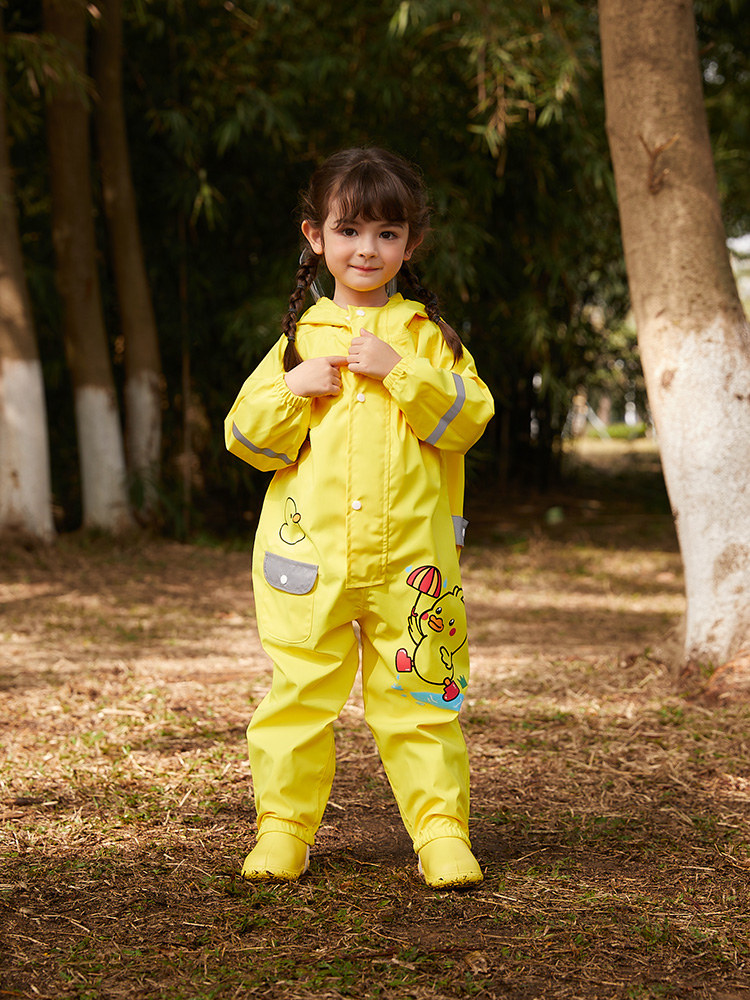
(279, 856)
(447, 863)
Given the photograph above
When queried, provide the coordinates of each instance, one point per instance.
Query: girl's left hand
(369, 355)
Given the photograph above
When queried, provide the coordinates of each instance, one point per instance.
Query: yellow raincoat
(361, 522)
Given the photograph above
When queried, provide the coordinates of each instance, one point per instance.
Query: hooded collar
(327, 313)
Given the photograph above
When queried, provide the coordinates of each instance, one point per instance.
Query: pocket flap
(289, 575)
(460, 525)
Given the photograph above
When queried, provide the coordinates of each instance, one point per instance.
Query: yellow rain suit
(362, 522)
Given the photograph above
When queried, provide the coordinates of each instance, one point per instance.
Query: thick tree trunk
(25, 497)
(693, 335)
(142, 364)
(102, 457)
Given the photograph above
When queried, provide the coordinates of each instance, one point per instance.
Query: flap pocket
(289, 575)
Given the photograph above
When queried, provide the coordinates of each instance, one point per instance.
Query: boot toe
(277, 856)
(447, 863)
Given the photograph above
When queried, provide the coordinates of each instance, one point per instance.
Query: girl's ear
(412, 247)
(313, 236)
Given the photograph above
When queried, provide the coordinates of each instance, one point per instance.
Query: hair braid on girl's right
(306, 273)
(430, 301)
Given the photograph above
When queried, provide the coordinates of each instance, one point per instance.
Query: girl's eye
(348, 231)
(388, 235)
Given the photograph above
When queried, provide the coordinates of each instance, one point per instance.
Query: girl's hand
(369, 355)
(316, 377)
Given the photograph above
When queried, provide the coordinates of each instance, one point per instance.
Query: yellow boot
(277, 856)
(447, 863)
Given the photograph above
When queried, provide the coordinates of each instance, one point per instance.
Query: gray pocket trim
(289, 575)
(459, 528)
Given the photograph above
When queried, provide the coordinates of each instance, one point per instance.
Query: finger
(337, 360)
(367, 333)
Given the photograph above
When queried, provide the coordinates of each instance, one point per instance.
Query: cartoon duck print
(438, 632)
(291, 531)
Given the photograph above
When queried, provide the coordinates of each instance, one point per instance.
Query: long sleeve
(448, 407)
(268, 423)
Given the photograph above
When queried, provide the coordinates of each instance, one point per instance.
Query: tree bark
(102, 456)
(25, 493)
(142, 362)
(693, 334)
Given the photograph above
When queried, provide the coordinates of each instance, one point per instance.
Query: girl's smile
(362, 255)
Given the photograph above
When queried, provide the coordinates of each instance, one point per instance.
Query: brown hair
(371, 184)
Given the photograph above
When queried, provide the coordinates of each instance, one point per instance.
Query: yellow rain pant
(415, 669)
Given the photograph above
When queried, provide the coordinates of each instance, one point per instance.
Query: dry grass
(611, 814)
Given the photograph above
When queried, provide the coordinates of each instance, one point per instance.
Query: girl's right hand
(316, 377)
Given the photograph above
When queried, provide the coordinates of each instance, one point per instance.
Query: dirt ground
(611, 813)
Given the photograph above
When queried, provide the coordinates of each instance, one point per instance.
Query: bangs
(370, 193)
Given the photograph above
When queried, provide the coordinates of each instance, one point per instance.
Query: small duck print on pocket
(291, 532)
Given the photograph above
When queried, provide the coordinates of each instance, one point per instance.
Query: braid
(430, 301)
(306, 273)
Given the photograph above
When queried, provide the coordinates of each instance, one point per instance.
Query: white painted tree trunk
(24, 450)
(692, 332)
(102, 459)
(104, 491)
(699, 390)
(25, 494)
(143, 412)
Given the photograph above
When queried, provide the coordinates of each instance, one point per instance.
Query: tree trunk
(142, 364)
(102, 457)
(25, 497)
(692, 332)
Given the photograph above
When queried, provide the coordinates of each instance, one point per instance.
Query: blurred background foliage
(231, 105)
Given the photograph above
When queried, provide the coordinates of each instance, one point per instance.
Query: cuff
(291, 399)
(400, 370)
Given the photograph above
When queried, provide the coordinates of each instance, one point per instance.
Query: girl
(364, 409)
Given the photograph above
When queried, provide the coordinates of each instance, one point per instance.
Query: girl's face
(361, 255)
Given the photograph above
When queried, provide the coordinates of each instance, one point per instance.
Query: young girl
(365, 409)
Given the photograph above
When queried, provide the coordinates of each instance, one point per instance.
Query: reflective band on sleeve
(260, 451)
(450, 414)
(459, 529)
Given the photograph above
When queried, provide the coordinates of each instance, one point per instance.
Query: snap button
(360, 397)
(360, 312)
(357, 505)
(283, 578)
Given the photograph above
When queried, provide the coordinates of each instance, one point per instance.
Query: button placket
(366, 519)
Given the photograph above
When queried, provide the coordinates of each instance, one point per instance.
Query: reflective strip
(459, 529)
(450, 415)
(260, 451)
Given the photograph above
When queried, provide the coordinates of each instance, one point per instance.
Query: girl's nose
(367, 249)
